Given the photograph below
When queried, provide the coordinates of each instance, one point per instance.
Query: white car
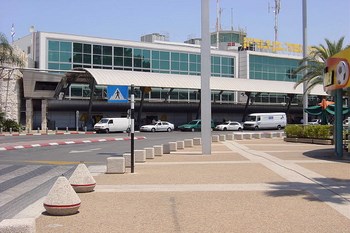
(158, 126)
(230, 125)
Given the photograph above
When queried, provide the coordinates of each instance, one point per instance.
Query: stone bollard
(166, 148)
(197, 141)
(82, 180)
(66, 129)
(38, 130)
(173, 146)
(158, 150)
(127, 157)
(56, 129)
(115, 165)
(238, 136)
(149, 152)
(62, 199)
(10, 130)
(222, 137)
(85, 129)
(215, 138)
(229, 136)
(257, 135)
(140, 156)
(247, 136)
(180, 144)
(188, 142)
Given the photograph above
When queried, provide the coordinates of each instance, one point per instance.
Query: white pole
(205, 80)
(305, 84)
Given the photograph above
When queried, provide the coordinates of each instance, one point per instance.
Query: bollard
(38, 130)
(0, 129)
(66, 129)
(85, 129)
(47, 130)
(10, 130)
(56, 129)
(28, 130)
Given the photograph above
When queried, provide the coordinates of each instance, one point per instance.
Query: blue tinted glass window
(107, 50)
(97, 49)
(164, 56)
(53, 56)
(118, 51)
(155, 54)
(77, 47)
(65, 57)
(175, 56)
(65, 46)
(54, 45)
(87, 48)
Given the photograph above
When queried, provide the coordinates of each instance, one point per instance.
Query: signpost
(132, 116)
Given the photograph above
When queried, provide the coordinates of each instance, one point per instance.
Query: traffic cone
(62, 199)
(82, 180)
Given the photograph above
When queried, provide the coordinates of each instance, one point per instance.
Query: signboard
(117, 94)
(337, 72)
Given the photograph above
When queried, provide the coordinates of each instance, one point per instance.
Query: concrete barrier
(215, 138)
(256, 135)
(116, 165)
(149, 152)
(166, 148)
(24, 225)
(238, 136)
(82, 180)
(173, 146)
(229, 137)
(197, 141)
(180, 145)
(127, 157)
(158, 150)
(247, 136)
(140, 156)
(222, 137)
(188, 142)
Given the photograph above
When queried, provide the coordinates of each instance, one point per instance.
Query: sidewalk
(257, 185)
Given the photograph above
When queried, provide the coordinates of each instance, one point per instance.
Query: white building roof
(145, 79)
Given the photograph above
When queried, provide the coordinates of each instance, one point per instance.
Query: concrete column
(43, 114)
(29, 115)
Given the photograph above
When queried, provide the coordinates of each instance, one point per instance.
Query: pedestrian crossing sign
(117, 94)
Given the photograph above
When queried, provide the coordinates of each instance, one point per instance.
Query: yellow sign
(273, 46)
(337, 72)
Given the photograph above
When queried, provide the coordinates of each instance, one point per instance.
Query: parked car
(194, 125)
(112, 125)
(158, 126)
(229, 125)
(314, 122)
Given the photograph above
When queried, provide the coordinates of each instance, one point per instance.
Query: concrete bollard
(166, 148)
(140, 156)
(10, 130)
(256, 135)
(238, 136)
(127, 157)
(149, 152)
(180, 145)
(197, 141)
(1, 129)
(188, 142)
(229, 136)
(66, 129)
(173, 146)
(21, 225)
(85, 129)
(38, 130)
(115, 165)
(215, 138)
(247, 136)
(82, 180)
(222, 137)
(158, 150)
(62, 199)
(56, 129)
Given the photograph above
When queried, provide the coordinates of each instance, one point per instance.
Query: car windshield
(251, 118)
(193, 123)
(103, 121)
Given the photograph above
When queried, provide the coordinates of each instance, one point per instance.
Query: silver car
(230, 125)
(158, 126)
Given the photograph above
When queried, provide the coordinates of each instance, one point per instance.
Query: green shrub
(8, 123)
(294, 131)
(309, 131)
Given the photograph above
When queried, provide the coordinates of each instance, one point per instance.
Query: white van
(112, 125)
(273, 120)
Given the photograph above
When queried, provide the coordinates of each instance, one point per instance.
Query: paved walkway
(257, 185)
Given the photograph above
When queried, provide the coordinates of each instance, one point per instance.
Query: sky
(179, 19)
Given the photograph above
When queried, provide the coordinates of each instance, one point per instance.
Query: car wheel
(107, 130)
(153, 130)
(225, 129)
(256, 128)
(192, 129)
(169, 130)
(279, 127)
(240, 129)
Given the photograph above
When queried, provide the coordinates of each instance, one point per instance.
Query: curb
(37, 134)
(66, 143)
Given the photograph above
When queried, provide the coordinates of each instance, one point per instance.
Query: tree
(316, 63)
(7, 54)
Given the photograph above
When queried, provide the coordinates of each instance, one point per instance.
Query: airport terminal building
(69, 78)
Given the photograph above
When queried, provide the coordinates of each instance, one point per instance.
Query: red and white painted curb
(78, 141)
(37, 134)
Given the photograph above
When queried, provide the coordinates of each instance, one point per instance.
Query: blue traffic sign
(117, 94)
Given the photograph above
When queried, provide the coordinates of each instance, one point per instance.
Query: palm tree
(316, 63)
(7, 54)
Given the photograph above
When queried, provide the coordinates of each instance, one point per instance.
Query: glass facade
(273, 68)
(65, 55)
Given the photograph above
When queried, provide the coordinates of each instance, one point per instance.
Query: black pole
(132, 116)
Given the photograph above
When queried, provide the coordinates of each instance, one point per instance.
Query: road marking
(83, 151)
